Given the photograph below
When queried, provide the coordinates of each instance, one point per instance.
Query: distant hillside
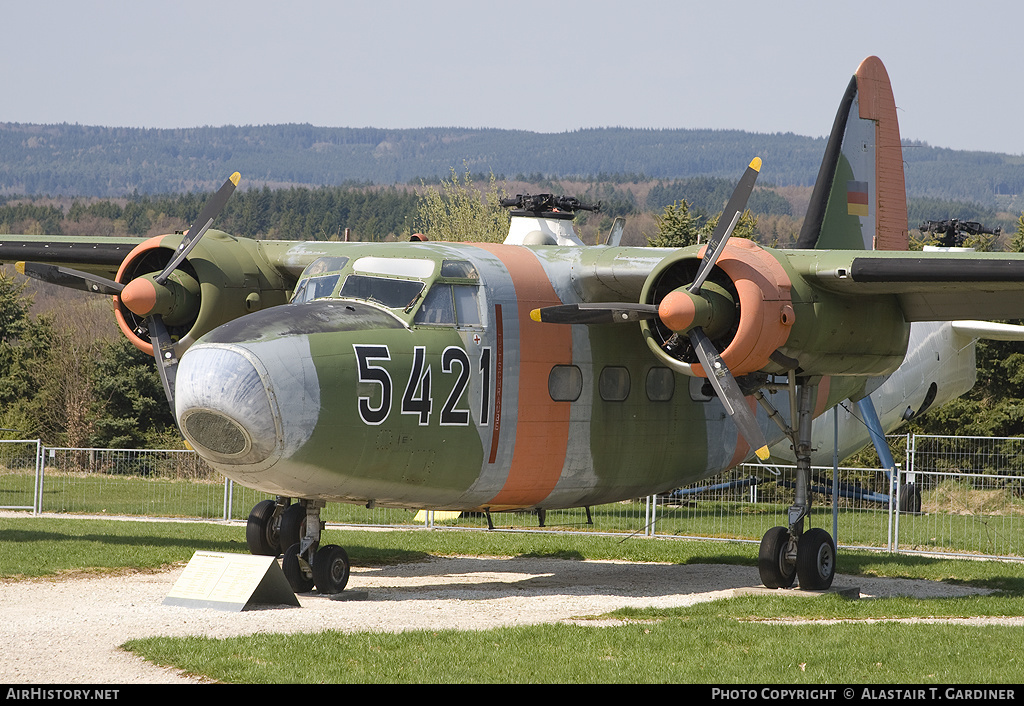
(77, 160)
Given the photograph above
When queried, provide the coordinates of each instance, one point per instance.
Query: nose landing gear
(305, 563)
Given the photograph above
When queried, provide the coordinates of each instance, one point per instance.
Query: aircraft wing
(930, 286)
(99, 255)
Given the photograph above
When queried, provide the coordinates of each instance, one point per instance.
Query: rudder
(859, 201)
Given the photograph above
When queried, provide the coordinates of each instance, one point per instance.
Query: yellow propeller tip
(235, 178)
(535, 314)
(762, 453)
(755, 164)
(20, 267)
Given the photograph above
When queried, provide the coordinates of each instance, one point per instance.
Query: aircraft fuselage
(418, 379)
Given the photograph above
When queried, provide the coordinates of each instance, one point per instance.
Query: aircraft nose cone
(245, 406)
(224, 406)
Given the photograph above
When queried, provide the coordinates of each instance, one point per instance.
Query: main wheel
(330, 569)
(816, 560)
(299, 578)
(910, 498)
(776, 570)
(261, 531)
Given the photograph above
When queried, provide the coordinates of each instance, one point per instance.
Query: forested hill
(77, 160)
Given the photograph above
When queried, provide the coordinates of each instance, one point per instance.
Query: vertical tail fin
(859, 200)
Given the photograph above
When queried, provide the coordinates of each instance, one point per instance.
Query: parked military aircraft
(539, 373)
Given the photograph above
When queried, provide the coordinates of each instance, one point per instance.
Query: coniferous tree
(676, 227)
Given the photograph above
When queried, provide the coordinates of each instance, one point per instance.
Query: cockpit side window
(315, 288)
(437, 308)
(315, 282)
(467, 304)
(450, 305)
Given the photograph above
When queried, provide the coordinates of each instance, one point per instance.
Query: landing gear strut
(789, 553)
(297, 527)
(307, 564)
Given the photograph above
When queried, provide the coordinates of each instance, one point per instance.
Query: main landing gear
(293, 529)
(789, 553)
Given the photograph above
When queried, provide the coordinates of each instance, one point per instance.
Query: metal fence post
(649, 516)
(228, 498)
(37, 500)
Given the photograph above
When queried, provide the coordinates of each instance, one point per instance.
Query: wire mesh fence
(153, 483)
(956, 495)
(19, 474)
(966, 495)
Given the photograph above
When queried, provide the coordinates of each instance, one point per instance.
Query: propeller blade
(67, 277)
(601, 313)
(729, 393)
(206, 217)
(166, 359)
(727, 222)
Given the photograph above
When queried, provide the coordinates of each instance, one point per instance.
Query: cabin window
(565, 383)
(391, 293)
(614, 384)
(661, 384)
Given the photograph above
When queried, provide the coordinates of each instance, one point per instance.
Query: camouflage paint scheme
(290, 383)
(508, 445)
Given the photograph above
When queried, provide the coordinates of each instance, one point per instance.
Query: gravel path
(67, 631)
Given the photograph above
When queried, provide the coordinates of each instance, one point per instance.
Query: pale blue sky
(546, 66)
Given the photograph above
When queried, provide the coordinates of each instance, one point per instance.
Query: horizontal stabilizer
(989, 330)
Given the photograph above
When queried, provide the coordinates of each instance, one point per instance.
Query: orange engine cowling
(221, 279)
(757, 324)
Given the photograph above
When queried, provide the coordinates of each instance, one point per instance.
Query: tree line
(77, 160)
(378, 213)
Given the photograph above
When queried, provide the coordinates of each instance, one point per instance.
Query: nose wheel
(306, 564)
(262, 530)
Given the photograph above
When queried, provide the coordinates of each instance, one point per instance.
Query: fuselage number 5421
(418, 398)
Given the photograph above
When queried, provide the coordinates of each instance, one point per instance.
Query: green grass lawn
(726, 641)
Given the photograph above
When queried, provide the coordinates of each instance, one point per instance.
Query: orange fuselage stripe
(542, 425)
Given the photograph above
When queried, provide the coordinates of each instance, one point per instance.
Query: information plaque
(231, 582)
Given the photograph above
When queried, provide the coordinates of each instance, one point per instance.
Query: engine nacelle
(778, 322)
(221, 279)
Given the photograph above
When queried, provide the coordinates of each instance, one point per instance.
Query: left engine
(222, 278)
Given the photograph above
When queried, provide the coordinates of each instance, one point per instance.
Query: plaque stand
(232, 582)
